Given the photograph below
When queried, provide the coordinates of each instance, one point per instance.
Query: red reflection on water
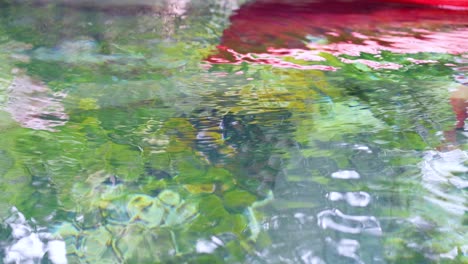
(269, 32)
(440, 3)
(297, 34)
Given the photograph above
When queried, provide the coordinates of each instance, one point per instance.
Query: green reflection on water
(157, 155)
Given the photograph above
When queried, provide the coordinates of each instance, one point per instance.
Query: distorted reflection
(33, 105)
(267, 131)
(336, 220)
(29, 244)
(369, 27)
(360, 199)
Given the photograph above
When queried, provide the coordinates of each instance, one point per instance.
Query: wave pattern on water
(28, 243)
(316, 132)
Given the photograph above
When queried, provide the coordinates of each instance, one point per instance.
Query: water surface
(233, 132)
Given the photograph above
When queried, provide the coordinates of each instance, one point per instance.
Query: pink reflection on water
(455, 42)
(424, 61)
(275, 57)
(374, 64)
(33, 105)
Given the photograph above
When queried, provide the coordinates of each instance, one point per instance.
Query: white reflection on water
(309, 258)
(358, 199)
(439, 175)
(336, 220)
(346, 247)
(29, 245)
(345, 174)
(209, 246)
(443, 175)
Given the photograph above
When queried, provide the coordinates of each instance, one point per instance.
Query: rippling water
(233, 132)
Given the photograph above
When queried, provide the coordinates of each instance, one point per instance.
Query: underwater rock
(137, 228)
(169, 197)
(165, 210)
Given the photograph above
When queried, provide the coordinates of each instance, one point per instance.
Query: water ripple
(345, 174)
(346, 247)
(440, 173)
(336, 220)
(33, 105)
(306, 34)
(358, 199)
(28, 244)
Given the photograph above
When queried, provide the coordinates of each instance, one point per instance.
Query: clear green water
(122, 143)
